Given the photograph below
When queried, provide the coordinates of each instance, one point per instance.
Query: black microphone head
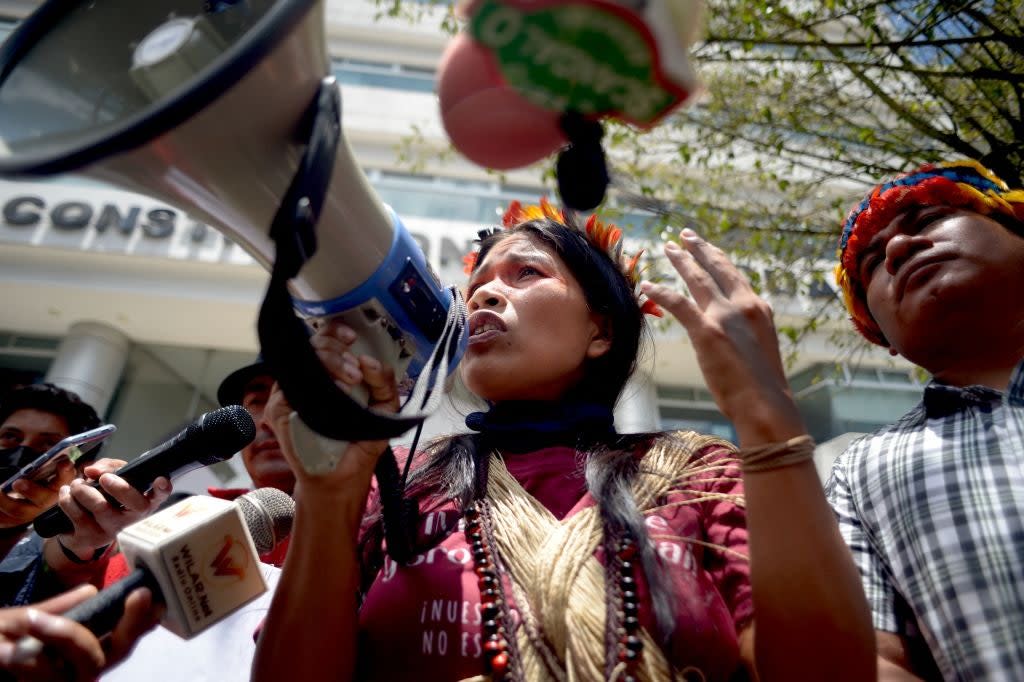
(227, 430)
(268, 513)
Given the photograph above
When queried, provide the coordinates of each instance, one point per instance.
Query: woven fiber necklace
(502, 659)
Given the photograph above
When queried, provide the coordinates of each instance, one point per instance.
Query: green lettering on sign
(583, 57)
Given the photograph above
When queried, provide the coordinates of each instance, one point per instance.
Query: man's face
(936, 274)
(263, 457)
(34, 429)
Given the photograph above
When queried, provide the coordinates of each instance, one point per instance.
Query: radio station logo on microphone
(231, 560)
(186, 508)
(197, 572)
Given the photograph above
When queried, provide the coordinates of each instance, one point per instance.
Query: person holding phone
(32, 420)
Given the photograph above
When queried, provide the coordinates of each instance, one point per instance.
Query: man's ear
(601, 339)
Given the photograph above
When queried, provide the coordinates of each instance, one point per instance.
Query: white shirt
(221, 653)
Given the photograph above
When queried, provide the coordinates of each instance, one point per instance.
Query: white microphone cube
(203, 558)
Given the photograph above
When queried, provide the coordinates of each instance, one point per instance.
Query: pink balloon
(487, 120)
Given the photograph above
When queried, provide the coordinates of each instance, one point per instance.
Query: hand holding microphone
(97, 520)
(69, 650)
(214, 437)
(199, 558)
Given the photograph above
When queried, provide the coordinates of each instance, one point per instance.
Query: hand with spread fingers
(32, 498)
(794, 537)
(69, 651)
(96, 519)
(332, 342)
(733, 334)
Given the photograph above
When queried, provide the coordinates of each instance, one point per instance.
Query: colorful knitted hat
(958, 184)
(602, 236)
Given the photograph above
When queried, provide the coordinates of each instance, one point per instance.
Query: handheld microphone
(214, 437)
(200, 557)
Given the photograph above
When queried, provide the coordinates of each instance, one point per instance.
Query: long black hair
(449, 468)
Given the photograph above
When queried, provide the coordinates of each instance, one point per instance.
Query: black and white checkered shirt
(932, 508)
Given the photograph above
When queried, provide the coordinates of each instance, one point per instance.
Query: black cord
(581, 167)
(412, 453)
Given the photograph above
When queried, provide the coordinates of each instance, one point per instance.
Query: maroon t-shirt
(423, 620)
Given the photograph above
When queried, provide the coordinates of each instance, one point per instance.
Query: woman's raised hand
(332, 342)
(732, 331)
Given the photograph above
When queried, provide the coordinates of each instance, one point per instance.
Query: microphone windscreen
(229, 428)
(268, 513)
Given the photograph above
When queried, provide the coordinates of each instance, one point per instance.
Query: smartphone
(44, 467)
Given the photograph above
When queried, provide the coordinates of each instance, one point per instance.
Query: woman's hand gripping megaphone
(337, 347)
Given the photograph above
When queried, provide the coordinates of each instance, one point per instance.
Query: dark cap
(232, 389)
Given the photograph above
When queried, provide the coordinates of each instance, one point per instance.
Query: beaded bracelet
(777, 455)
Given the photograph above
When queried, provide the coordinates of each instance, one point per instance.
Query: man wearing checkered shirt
(932, 507)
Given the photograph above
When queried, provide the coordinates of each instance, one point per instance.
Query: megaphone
(226, 110)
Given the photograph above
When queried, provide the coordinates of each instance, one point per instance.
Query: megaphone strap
(284, 337)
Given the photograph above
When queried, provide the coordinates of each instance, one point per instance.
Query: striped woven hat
(958, 184)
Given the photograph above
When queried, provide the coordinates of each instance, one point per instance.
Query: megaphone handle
(317, 454)
(376, 336)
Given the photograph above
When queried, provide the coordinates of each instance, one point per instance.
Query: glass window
(446, 199)
(35, 342)
(896, 377)
(812, 376)
(676, 393)
(709, 422)
(382, 75)
(819, 288)
(864, 374)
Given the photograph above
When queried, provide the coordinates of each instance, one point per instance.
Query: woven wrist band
(777, 455)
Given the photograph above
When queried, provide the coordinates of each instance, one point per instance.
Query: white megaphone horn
(216, 107)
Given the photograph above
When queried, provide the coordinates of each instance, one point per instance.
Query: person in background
(34, 418)
(248, 386)
(932, 506)
(224, 652)
(549, 546)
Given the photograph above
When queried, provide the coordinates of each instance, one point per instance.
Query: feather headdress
(958, 184)
(603, 236)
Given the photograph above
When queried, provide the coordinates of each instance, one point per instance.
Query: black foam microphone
(196, 560)
(212, 438)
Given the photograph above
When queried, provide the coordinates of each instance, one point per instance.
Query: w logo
(185, 508)
(231, 560)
